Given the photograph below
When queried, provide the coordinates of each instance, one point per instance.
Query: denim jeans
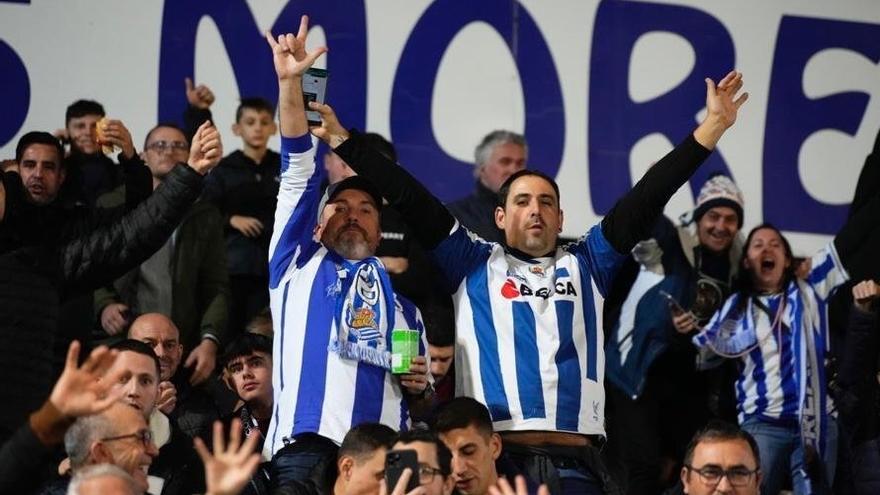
(310, 458)
(782, 454)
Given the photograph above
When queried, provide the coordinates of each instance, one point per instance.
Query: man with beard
(332, 300)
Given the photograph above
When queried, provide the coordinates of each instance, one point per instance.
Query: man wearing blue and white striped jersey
(528, 343)
(332, 302)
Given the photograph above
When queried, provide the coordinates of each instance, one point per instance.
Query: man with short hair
(465, 427)
(435, 461)
(193, 409)
(332, 301)
(176, 467)
(49, 252)
(91, 173)
(529, 344)
(118, 436)
(498, 156)
(103, 479)
(186, 279)
(721, 458)
(247, 369)
(648, 355)
(360, 463)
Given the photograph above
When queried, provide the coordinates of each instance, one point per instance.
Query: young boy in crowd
(244, 186)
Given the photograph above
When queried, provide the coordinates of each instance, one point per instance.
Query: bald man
(193, 408)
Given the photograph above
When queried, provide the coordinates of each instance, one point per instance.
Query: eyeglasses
(711, 475)
(145, 436)
(426, 474)
(161, 146)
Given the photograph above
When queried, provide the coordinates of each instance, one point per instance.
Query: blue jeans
(782, 454)
(310, 458)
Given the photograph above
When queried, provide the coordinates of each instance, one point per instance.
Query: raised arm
(634, 215)
(427, 217)
(299, 191)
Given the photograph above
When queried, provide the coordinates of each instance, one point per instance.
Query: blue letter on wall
(250, 55)
(616, 123)
(792, 117)
(16, 90)
(413, 135)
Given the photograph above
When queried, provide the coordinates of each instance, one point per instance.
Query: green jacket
(199, 275)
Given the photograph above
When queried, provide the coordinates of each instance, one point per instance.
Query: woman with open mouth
(776, 325)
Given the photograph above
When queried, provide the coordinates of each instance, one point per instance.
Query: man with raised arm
(528, 342)
(332, 302)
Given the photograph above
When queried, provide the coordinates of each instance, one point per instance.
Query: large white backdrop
(436, 76)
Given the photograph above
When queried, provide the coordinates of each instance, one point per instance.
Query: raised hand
(720, 102)
(230, 467)
(502, 487)
(115, 133)
(331, 131)
(722, 106)
(247, 226)
(289, 52)
(87, 389)
(206, 149)
(865, 293)
(115, 318)
(199, 96)
(167, 400)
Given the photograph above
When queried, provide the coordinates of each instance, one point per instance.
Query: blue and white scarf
(364, 313)
(733, 332)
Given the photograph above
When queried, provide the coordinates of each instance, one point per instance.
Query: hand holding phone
(398, 460)
(314, 88)
(674, 307)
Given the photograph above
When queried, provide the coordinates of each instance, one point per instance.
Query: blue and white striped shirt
(770, 385)
(529, 340)
(317, 390)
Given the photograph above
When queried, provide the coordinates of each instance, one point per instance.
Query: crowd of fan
(728, 364)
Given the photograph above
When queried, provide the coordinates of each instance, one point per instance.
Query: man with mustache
(648, 357)
(527, 330)
(332, 302)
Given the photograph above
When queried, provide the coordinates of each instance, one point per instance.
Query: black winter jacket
(48, 253)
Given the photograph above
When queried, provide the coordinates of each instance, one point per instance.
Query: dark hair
(38, 137)
(743, 282)
(462, 412)
(439, 317)
(444, 456)
(382, 145)
(254, 103)
(81, 108)
(140, 348)
(245, 345)
(365, 439)
(504, 190)
(171, 125)
(717, 431)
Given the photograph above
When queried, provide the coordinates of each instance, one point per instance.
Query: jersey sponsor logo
(510, 290)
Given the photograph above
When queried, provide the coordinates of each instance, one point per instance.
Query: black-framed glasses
(145, 436)
(168, 145)
(426, 474)
(711, 475)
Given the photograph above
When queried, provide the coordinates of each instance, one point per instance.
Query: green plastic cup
(404, 347)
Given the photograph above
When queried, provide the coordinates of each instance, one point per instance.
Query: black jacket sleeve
(100, 256)
(425, 214)
(137, 179)
(857, 389)
(635, 214)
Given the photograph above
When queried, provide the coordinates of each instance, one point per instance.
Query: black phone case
(395, 462)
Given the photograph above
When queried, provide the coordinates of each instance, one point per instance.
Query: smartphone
(676, 308)
(395, 462)
(314, 88)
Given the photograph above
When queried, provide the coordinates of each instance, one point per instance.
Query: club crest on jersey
(512, 290)
(537, 270)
